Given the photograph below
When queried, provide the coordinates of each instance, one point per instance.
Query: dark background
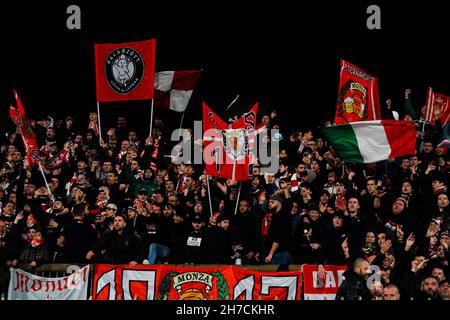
(282, 54)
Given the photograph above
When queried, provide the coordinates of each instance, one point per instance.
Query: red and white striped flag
(437, 104)
(173, 89)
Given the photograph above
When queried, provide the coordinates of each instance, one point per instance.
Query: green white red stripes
(372, 141)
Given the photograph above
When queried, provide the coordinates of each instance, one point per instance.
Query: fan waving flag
(358, 96)
(29, 138)
(228, 147)
(372, 141)
(437, 106)
(125, 71)
(173, 89)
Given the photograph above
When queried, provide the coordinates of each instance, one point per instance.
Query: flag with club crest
(357, 97)
(125, 71)
(228, 147)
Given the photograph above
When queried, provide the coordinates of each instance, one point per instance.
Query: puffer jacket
(354, 287)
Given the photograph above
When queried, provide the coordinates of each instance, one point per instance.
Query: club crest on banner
(194, 286)
(353, 100)
(235, 143)
(124, 70)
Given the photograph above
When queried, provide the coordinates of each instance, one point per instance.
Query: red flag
(357, 97)
(58, 160)
(125, 71)
(228, 147)
(29, 138)
(437, 104)
(173, 89)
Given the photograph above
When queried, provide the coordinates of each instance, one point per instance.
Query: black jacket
(120, 248)
(79, 237)
(178, 238)
(196, 246)
(354, 287)
(219, 246)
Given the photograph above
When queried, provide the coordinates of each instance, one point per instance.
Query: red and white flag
(437, 105)
(125, 71)
(173, 89)
(23, 126)
(357, 97)
(228, 148)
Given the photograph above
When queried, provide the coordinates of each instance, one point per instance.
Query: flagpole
(209, 195)
(45, 179)
(238, 196)
(99, 124)
(181, 124)
(151, 119)
(235, 99)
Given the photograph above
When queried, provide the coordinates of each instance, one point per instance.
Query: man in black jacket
(354, 286)
(246, 231)
(429, 289)
(279, 232)
(220, 241)
(76, 237)
(121, 247)
(196, 244)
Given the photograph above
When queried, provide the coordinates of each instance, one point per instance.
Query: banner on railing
(316, 288)
(144, 282)
(26, 286)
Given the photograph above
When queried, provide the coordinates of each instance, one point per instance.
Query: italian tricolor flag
(372, 141)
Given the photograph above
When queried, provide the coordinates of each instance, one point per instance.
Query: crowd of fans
(123, 201)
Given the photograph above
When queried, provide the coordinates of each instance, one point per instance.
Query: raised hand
(410, 241)
(386, 246)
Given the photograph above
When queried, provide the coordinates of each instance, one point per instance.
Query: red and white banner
(358, 98)
(26, 286)
(437, 105)
(173, 89)
(125, 71)
(228, 148)
(20, 119)
(317, 289)
(163, 282)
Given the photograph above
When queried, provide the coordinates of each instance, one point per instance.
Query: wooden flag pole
(99, 124)
(238, 196)
(45, 179)
(235, 99)
(209, 195)
(181, 124)
(151, 119)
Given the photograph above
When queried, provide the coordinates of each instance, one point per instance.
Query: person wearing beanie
(278, 238)
(307, 239)
(400, 216)
(196, 243)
